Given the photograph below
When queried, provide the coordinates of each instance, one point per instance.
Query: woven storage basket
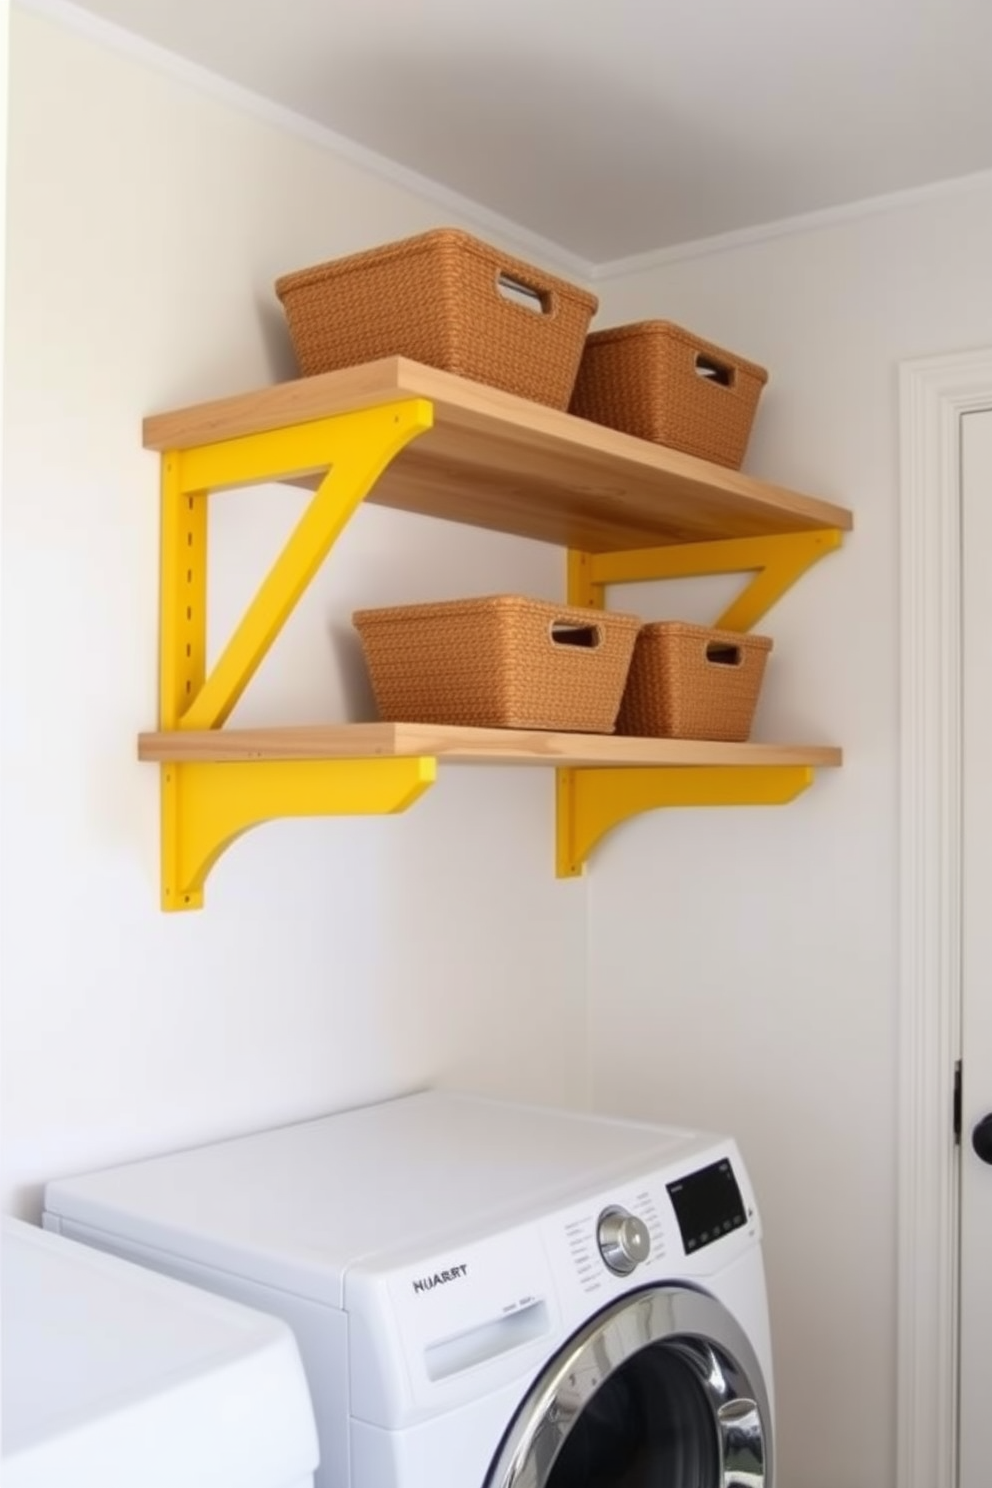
(691, 682)
(662, 383)
(499, 662)
(441, 298)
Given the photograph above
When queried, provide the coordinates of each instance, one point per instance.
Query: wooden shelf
(500, 462)
(409, 437)
(467, 746)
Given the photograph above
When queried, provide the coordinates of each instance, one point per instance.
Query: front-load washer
(115, 1378)
(485, 1295)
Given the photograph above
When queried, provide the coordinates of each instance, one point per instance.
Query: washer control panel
(674, 1218)
(623, 1240)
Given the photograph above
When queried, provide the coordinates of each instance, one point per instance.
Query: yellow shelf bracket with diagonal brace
(206, 804)
(590, 802)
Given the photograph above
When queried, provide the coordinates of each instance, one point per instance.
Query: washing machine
(485, 1295)
(116, 1378)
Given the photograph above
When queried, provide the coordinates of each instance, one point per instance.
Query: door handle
(981, 1138)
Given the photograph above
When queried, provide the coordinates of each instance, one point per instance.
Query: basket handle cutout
(564, 633)
(527, 296)
(711, 370)
(719, 653)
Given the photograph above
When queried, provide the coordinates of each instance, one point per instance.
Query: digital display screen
(708, 1205)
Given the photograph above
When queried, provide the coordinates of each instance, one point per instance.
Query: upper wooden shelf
(465, 746)
(497, 461)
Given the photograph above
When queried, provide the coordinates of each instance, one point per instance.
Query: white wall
(336, 960)
(743, 963)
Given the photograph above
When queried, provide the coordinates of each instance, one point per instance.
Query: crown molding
(92, 28)
(893, 201)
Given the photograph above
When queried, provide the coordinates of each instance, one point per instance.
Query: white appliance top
(300, 1205)
(114, 1376)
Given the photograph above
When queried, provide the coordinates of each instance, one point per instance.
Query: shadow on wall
(275, 336)
(27, 1202)
(356, 688)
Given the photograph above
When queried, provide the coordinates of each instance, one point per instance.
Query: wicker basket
(498, 662)
(691, 682)
(446, 299)
(657, 381)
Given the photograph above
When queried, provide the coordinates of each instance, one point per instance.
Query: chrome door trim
(694, 1325)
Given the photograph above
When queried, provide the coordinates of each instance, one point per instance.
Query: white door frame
(934, 393)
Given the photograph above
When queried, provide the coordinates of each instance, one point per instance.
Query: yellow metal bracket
(207, 804)
(590, 802)
(777, 562)
(354, 448)
(593, 801)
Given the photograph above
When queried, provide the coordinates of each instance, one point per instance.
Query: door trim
(934, 394)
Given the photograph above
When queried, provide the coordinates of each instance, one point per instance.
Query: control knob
(623, 1240)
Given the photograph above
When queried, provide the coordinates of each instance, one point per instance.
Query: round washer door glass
(660, 1390)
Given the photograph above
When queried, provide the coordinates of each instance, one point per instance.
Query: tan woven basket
(659, 382)
(499, 662)
(446, 299)
(691, 682)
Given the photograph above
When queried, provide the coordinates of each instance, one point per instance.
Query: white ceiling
(616, 127)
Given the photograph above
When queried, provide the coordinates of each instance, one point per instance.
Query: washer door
(660, 1390)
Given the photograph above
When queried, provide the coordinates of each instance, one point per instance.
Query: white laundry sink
(115, 1376)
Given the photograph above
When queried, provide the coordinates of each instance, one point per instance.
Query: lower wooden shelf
(454, 745)
(218, 783)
